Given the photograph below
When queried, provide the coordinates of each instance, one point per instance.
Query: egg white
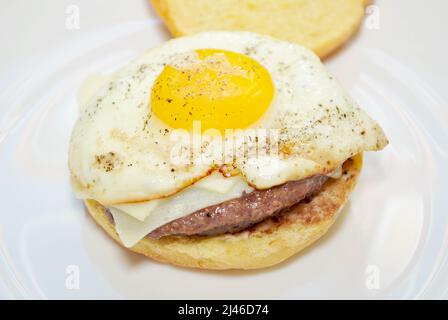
(120, 153)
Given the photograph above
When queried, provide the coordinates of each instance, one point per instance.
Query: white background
(396, 222)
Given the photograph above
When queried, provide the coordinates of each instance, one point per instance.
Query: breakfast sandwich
(320, 25)
(220, 150)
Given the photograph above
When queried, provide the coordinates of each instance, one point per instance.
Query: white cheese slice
(336, 173)
(139, 211)
(131, 230)
(215, 183)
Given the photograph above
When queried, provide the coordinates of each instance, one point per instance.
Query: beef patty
(237, 214)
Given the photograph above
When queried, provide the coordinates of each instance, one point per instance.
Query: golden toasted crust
(265, 244)
(321, 25)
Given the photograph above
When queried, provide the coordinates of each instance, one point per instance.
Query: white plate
(390, 242)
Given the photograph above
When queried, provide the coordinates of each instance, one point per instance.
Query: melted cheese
(135, 221)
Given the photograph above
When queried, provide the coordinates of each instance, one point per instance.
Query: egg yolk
(220, 89)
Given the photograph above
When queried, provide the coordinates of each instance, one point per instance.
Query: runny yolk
(220, 89)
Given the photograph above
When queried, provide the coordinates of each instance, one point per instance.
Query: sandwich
(219, 150)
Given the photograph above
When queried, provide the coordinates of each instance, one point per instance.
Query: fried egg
(121, 149)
